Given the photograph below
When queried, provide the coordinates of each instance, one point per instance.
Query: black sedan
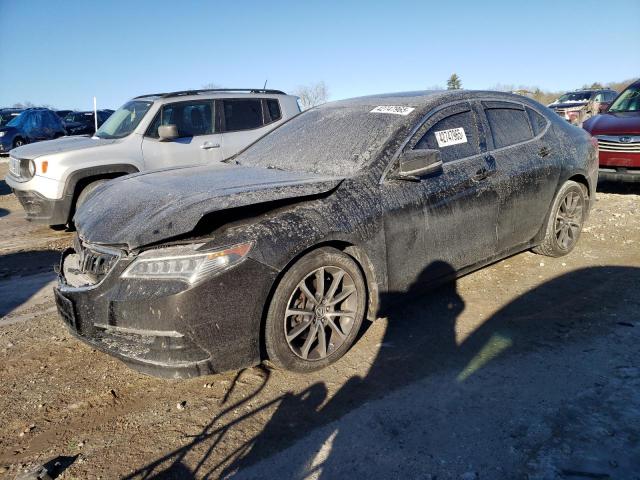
(283, 251)
(83, 123)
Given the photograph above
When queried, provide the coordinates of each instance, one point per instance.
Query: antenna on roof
(265, 84)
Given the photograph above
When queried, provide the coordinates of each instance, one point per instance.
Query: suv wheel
(565, 221)
(18, 142)
(316, 311)
(87, 190)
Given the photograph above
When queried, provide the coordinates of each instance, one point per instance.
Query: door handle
(544, 152)
(208, 145)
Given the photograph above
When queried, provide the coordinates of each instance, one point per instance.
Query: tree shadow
(420, 343)
(22, 275)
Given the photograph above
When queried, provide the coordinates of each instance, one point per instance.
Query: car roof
(210, 93)
(425, 98)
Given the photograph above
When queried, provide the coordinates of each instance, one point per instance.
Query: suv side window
(191, 119)
(538, 122)
(599, 97)
(273, 110)
(241, 114)
(456, 136)
(610, 96)
(509, 124)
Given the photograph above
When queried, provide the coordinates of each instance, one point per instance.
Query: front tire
(18, 142)
(87, 190)
(316, 311)
(564, 226)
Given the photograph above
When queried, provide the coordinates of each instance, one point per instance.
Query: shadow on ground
(422, 339)
(622, 188)
(22, 275)
(4, 188)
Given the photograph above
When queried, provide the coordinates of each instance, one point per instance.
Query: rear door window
(273, 110)
(191, 118)
(241, 114)
(538, 121)
(455, 135)
(508, 122)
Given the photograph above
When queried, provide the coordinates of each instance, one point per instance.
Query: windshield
(7, 117)
(124, 120)
(330, 140)
(16, 121)
(628, 101)
(575, 97)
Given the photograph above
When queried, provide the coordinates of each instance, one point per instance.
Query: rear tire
(565, 222)
(326, 291)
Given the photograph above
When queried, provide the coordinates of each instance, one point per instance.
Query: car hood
(64, 144)
(621, 123)
(146, 208)
(8, 130)
(568, 105)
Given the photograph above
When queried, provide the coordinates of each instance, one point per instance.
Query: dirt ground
(529, 368)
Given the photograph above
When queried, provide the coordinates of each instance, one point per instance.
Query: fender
(77, 175)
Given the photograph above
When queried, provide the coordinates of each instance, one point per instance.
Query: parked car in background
(83, 123)
(8, 114)
(578, 106)
(32, 125)
(149, 132)
(63, 113)
(618, 134)
(284, 250)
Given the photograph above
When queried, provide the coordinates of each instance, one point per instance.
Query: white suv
(149, 132)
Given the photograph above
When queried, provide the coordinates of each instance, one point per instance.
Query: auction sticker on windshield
(453, 136)
(393, 109)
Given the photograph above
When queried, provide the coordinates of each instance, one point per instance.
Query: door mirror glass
(417, 163)
(167, 132)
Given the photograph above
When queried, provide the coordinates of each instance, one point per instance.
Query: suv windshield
(124, 120)
(628, 101)
(575, 97)
(333, 140)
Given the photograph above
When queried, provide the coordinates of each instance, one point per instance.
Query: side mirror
(603, 107)
(417, 163)
(167, 132)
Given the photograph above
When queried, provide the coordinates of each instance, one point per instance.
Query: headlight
(31, 168)
(2, 134)
(185, 262)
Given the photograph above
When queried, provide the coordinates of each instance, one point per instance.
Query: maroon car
(618, 134)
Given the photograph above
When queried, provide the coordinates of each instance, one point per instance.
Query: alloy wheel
(569, 220)
(320, 313)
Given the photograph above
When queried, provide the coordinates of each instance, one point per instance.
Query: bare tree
(312, 95)
(211, 86)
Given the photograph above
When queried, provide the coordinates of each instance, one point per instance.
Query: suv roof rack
(208, 90)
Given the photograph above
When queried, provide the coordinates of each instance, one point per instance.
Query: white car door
(244, 120)
(198, 143)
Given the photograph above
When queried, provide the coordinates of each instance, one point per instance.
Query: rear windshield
(124, 121)
(628, 101)
(329, 140)
(575, 97)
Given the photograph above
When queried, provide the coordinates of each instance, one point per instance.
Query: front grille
(14, 166)
(93, 262)
(622, 144)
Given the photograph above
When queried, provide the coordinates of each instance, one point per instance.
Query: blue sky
(64, 52)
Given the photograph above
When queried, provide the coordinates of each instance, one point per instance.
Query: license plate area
(66, 309)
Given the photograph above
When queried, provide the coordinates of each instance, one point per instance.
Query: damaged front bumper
(168, 328)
